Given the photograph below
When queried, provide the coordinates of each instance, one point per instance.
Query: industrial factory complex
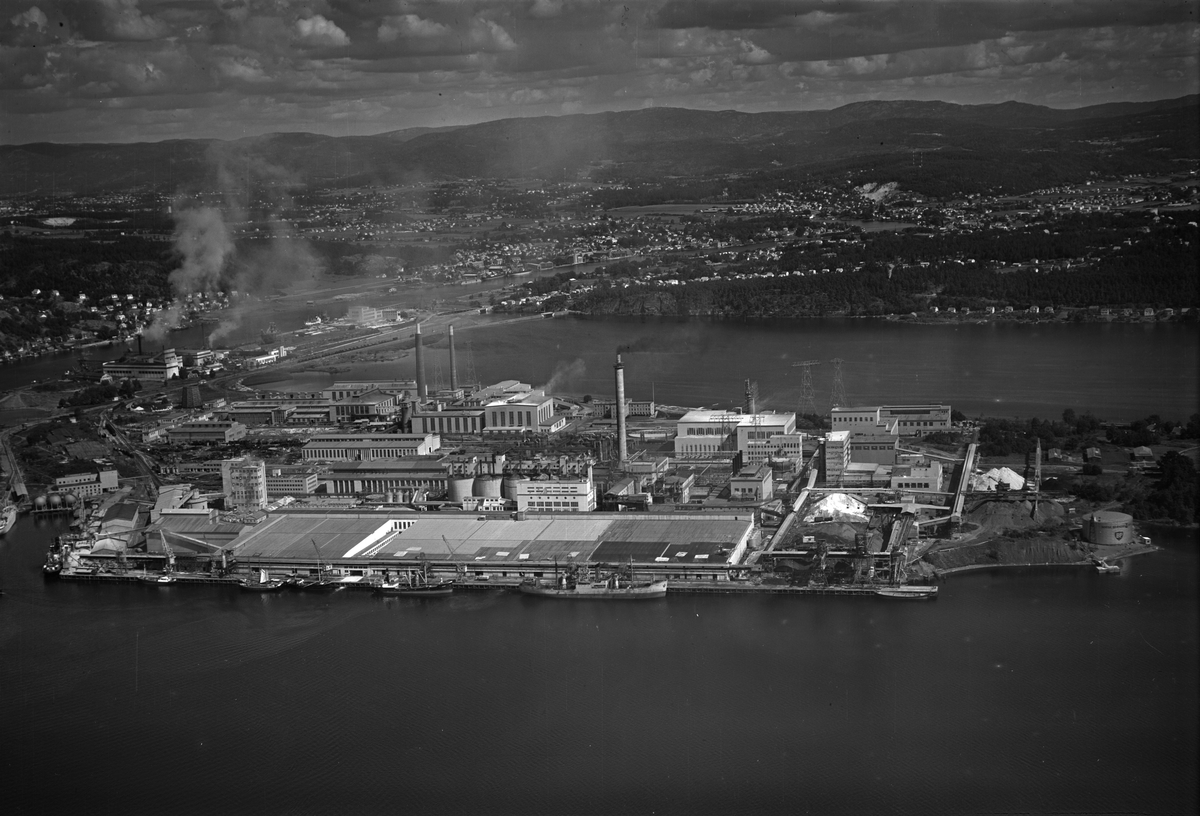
(492, 484)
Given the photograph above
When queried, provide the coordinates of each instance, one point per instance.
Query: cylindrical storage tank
(487, 487)
(460, 488)
(1108, 527)
(508, 488)
(39, 503)
(55, 500)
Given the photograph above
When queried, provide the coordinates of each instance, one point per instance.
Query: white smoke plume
(565, 374)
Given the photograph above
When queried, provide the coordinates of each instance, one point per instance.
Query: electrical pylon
(808, 403)
(838, 400)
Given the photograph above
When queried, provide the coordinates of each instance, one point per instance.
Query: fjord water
(1055, 690)
(1119, 372)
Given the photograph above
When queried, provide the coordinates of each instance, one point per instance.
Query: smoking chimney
(751, 397)
(420, 368)
(622, 451)
(453, 371)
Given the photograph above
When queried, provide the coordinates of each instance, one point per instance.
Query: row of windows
(513, 419)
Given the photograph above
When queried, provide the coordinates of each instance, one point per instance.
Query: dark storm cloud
(124, 69)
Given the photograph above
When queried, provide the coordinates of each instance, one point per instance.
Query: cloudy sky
(137, 70)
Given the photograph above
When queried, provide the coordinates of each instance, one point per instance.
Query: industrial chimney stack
(421, 395)
(622, 450)
(453, 370)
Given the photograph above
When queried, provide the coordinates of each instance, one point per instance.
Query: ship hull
(598, 592)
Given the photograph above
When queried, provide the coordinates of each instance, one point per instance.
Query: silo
(1108, 527)
(460, 488)
(508, 488)
(487, 487)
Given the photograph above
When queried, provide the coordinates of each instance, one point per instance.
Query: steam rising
(565, 376)
(211, 261)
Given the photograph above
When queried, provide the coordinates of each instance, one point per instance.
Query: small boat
(613, 588)
(158, 578)
(1104, 568)
(322, 583)
(908, 593)
(416, 584)
(8, 517)
(262, 582)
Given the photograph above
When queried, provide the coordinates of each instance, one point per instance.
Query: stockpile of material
(837, 507)
(995, 477)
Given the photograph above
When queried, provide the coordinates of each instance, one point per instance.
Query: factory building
(706, 433)
(527, 411)
(837, 456)
(409, 478)
(244, 483)
(606, 407)
(879, 448)
(917, 477)
(87, 485)
(441, 420)
(752, 484)
(291, 481)
(367, 405)
(906, 420)
(207, 431)
(160, 368)
(556, 495)
(362, 544)
(368, 447)
(346, 388)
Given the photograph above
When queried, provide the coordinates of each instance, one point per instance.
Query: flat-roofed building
(706, 433)
(207, 431)
(157, 369)
(410, 477)
(367, 405)
(879, 448)
(606, 407)
(917, 478)
(520, 412)
(348, 388)
(752, 484)
(556, 495)
(86, 485)
(448, 420)
(361, 544)
(244, 483)
(291, 480)
(837, 456)
(906, 420)
(368, 447)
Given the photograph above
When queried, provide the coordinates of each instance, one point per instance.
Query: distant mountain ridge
(950, 144)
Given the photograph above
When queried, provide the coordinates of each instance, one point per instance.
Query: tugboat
(416, 583)
(615, 587)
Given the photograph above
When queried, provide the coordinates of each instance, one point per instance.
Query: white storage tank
(55, 501)
(1108, 527)
(460, 488)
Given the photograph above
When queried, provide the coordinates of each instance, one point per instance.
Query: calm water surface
(1054, 690)
(1117, 371)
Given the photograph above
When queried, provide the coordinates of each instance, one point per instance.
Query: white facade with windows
(558, 496)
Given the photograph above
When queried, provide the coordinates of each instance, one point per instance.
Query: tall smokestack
(751, 397)
(453, 370)
(420, 368)
(139, 343)
(622, 451)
